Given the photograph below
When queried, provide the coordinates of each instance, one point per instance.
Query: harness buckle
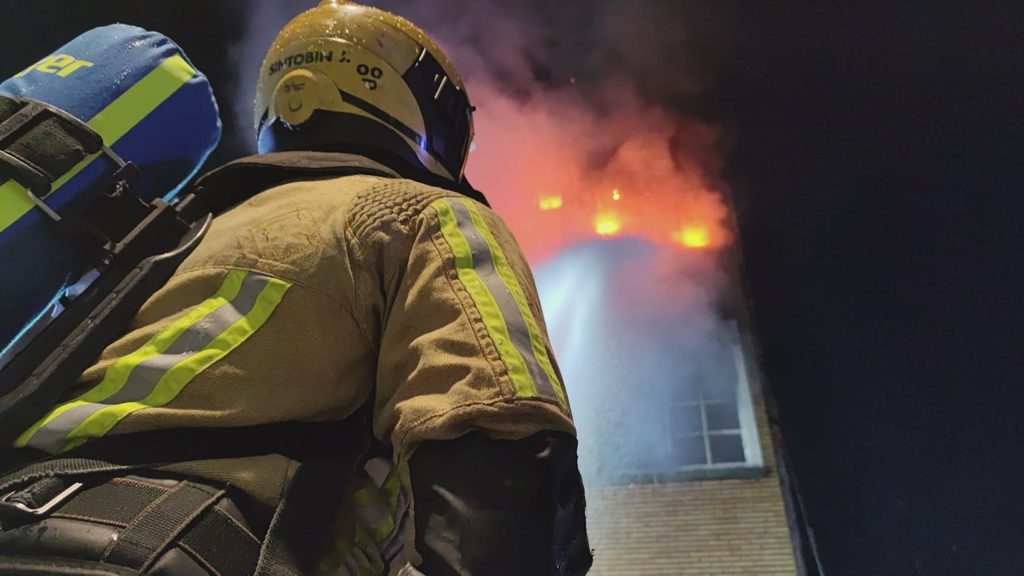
(44, 509)
(38, 182)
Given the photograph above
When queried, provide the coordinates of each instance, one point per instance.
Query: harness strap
(64, 468)
(159, 525)
(153, 517)
(293, 547)
(223, 545)
(330, 452)
(39, 143)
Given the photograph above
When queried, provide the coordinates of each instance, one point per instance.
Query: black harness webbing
(40, 143)
(151, 517)
(328, 452)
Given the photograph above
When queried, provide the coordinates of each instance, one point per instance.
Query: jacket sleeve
(463, 342)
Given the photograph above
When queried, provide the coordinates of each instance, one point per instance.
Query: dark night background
(875, 163)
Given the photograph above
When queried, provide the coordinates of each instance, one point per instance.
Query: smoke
(263, 20)
(632, 324)
(577, 104)
(585, 128)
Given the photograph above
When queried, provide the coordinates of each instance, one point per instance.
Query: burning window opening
(607, 224)
(693, 237)
(548, 203)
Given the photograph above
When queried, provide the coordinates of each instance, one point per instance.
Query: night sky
(875, 162)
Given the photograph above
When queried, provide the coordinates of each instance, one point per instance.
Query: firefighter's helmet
(348, 77)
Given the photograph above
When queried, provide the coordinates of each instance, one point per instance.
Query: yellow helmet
(353, 78)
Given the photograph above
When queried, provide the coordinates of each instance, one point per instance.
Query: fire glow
(549, 203)
(693, 237)
(546, 168)
(607, 224)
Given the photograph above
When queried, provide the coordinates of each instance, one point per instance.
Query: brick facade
(734, 527)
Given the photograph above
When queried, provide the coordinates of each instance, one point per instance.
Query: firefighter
(350, 375)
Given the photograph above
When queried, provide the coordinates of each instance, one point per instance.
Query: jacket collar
(243, 178)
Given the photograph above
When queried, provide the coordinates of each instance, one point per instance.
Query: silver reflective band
(483, 263)
(145, 377)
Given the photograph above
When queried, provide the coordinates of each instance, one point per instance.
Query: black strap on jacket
(328, 452)
(150, 518)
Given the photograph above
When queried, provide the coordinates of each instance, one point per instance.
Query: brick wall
(721, 527)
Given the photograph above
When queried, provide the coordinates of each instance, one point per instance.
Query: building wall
(734, 527)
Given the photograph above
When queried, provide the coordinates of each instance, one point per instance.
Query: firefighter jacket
(315, 296)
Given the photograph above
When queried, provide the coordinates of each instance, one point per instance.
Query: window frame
(753, 465)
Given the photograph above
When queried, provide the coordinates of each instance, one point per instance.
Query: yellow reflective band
(172, 383)
(378, 502)
(113, 122)
(118, 371)
(358, 556)
(392, 488)
(501, 264)
(375, 512)
(156, 373)
(485, 303)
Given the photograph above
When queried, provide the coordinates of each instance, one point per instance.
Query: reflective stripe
(113, 122)
(484, 271)
(357, 556)
(372, 538)
(548, 380)
(379, 504)
(157, 372)
(392, 489)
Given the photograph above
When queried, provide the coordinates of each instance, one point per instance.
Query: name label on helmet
(63, 65)
(370, 75)
(304, 58)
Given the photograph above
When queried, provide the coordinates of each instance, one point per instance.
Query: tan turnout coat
(306, 299)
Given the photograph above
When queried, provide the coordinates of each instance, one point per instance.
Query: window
(712, 430)
(711, 416)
